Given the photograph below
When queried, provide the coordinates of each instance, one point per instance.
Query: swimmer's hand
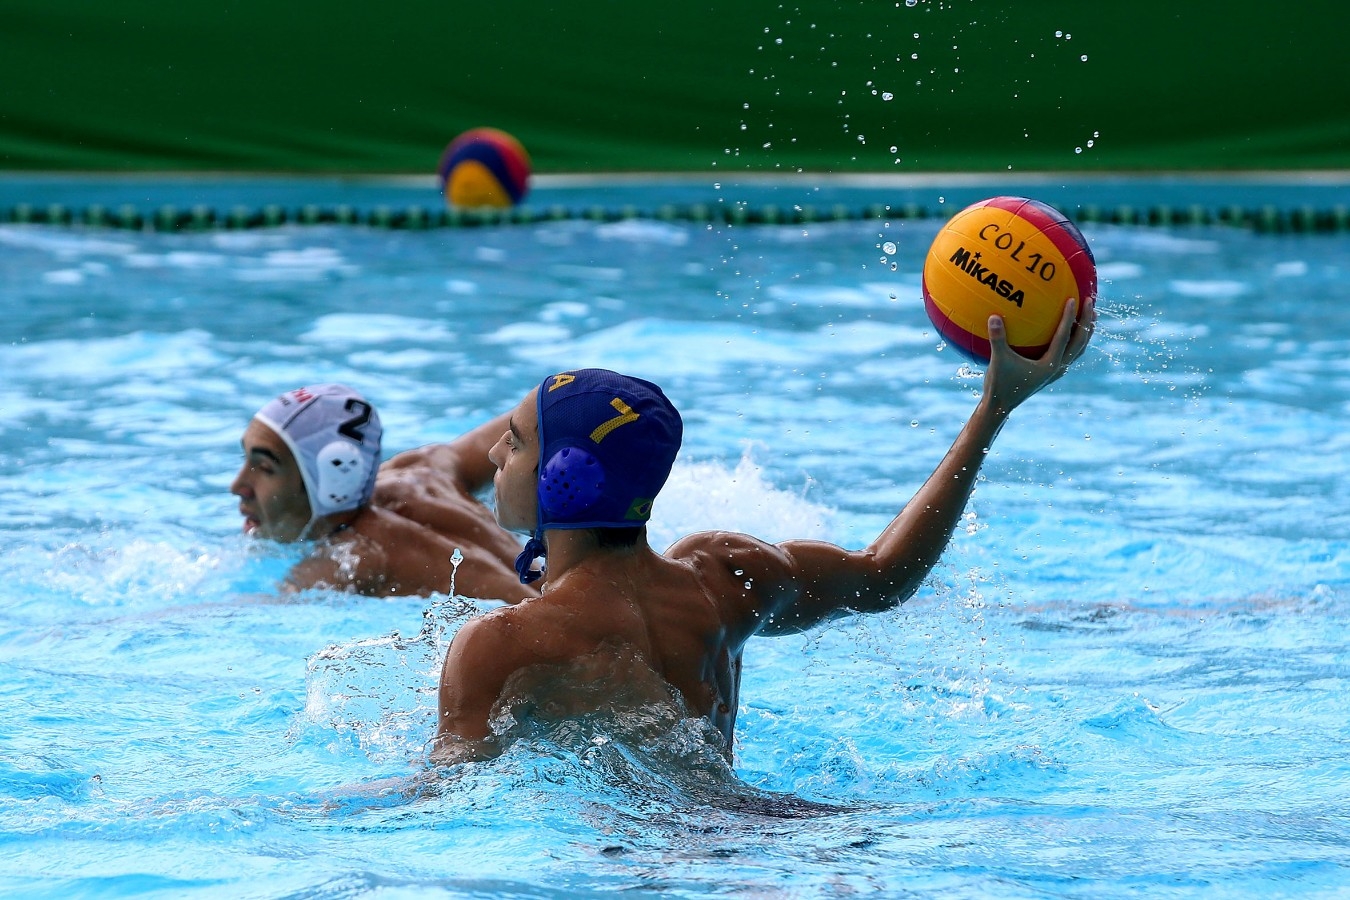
(1011, 378)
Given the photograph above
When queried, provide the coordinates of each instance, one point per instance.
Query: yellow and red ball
(484, 167)
(1012, 257)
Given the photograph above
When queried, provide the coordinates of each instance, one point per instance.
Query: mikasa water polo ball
(1012, 257)
(484, 167)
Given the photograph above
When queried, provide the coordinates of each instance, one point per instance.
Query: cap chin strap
(534, 548)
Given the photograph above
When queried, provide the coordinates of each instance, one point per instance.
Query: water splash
(455, 559)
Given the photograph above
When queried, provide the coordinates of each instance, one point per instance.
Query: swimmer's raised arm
(816, 581)
(464, 459)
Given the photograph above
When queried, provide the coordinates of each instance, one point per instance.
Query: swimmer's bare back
(687, 615)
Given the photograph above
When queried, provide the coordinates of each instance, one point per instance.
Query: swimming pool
(1126, 678)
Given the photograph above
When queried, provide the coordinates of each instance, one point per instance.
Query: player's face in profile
(516, 456)
(269, 486)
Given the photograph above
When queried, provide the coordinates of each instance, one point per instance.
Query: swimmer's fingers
(1068, 343)
(1011, 378)
(1082, 332)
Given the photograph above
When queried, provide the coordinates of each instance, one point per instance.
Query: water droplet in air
(911, 2)
(1077, 149)
(913, 423)
(914, 56)
(455, 559)
(749, 585)
(1083, 58)
(888, 248)
(1057, 33)
(887, 95)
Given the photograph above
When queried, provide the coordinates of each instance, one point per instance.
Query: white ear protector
(342, 473)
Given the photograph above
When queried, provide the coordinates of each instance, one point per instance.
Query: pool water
(1127, 676)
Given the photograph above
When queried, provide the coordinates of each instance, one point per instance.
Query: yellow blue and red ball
(484, 167)
(1009, 256)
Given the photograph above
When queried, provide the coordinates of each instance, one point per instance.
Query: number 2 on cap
(352, 427)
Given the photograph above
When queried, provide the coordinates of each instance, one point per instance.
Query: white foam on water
(520, 336)
(822, 295)
(569, 272)
(642, 231)
(61, 243)
(178, 259)
(304, 264)
(708, 496)
(139, 353)
(361, 329)
(686, 349)
(1216, 289)
(1119, 271)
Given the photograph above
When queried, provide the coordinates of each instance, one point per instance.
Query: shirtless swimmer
(311, 472)
(578, 467)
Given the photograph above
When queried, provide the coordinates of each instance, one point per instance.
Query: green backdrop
(617, 85)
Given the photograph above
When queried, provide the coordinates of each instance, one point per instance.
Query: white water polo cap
(334, 435)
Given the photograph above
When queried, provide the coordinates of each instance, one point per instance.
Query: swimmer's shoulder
(451, 468)
(534, 631)
(743, 574)
(404, 484)
(727, 550)
(350, 559)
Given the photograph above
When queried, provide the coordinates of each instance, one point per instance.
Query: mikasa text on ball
(1011, 257)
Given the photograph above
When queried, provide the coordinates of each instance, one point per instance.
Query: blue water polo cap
(606, 446)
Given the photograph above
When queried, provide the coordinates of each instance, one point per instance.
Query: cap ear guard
(342, 473)
(570, 482)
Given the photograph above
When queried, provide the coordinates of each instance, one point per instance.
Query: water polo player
(312, 472)
(578, 469)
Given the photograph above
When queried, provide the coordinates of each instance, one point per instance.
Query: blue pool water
(1126, 678)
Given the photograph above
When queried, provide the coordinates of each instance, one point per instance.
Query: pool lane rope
(1263, 219)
